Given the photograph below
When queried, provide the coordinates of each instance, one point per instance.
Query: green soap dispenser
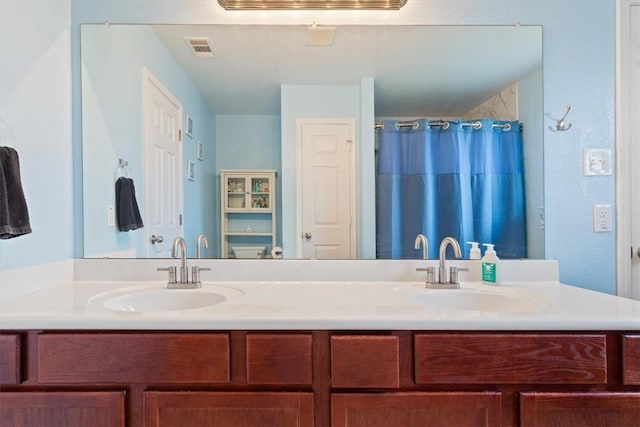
(489, 266)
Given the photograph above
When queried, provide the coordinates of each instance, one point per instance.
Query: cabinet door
(416, 409)
(227, 409)
(260, 192)
(42, 409)
(365, 361)
(237, 189)
(279, 359)
(10, 359)
(631, 359)
(580, 409)
(510, 358)
(133, 358)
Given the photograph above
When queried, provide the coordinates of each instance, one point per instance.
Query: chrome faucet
(202, 242)
(179, 243)
(442, 271)
(421, 240)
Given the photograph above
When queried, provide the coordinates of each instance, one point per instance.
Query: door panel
(416, 409)
(69, 408)
(163, 168)
(580, 409)
(327, 193)
(224, 409)
(634, 138)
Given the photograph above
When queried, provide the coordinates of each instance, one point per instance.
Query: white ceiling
(417, 70)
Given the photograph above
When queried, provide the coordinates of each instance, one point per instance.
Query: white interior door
(327, 192)
(634, 143)
(163, 168)
(628, 148)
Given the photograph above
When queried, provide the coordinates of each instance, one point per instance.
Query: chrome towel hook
(560, 126)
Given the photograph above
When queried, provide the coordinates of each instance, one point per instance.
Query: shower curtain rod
(445, 125)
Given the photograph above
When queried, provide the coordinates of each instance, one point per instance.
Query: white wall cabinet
(248, 219)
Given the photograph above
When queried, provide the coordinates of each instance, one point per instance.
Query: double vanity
(324, 343)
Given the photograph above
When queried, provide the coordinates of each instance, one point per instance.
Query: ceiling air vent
(200, 47)
(320, 35)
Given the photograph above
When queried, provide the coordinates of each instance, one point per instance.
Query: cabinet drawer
(239, 409)
(10, 365)
(279, 359)
(417, 409)
(631, 359)
(365, 361)
(63, 408)
(580, 409)
(510, 358)
(133, 358)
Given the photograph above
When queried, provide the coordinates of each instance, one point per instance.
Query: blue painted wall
(579, 69)
(35, 110)
(112, 80)
(249, 142)
(307, 101)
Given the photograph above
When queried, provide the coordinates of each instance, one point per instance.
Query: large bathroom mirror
(230, 82)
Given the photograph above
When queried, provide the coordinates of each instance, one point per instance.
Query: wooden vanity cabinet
(318, 378)
(162, 379)
(480, 378)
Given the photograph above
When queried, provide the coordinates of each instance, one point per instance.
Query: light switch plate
(597, 161)
(111, 216)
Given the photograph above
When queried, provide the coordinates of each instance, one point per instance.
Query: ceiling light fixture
(310, 4)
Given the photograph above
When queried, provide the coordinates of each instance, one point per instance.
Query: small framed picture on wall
(191, 170)
(199, 150)
(188, 125)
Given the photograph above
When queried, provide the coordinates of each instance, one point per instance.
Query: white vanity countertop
(307, 304)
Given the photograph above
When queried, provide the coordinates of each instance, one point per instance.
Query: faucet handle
(172, 274)
(431, 274)
(453, 275)
(195, 274)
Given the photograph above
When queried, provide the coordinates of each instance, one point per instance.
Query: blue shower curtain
(460, 181)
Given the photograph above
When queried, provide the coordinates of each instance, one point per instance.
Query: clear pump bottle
(474, 252)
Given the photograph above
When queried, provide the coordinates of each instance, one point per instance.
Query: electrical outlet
(111, 216)
(602, 218)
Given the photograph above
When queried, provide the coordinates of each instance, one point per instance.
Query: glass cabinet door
(236, 192)
(260, 195)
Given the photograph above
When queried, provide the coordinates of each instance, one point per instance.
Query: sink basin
(140, 299)
(478, 300)
(164, 300)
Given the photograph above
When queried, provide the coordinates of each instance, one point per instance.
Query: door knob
(307, 235)
(156, 239)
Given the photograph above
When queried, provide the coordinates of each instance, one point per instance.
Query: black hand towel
(14, 215)
(126, 205)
